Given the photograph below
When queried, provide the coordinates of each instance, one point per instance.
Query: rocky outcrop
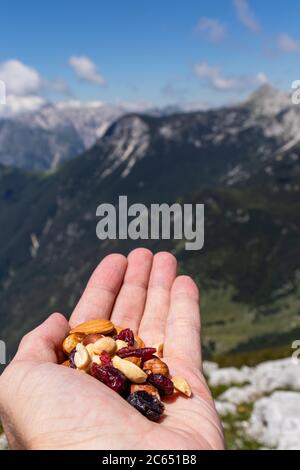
(273, 389)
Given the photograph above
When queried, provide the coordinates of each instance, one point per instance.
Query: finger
(183, 324)
(43, 344)
(163, 273)
(101, 291)
(130, 303)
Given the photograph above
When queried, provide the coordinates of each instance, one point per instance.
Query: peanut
(82, 357)
(130, 370)
(106, 343)
(121, 344)
(135, 360)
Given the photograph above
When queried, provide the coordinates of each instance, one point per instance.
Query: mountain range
(42, 138)
(242, 162)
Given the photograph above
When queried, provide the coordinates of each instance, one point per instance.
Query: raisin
(146, 404)
(143, 353)
(127, 336)
(71, 359)
(163, 384)
(105, 359)
(110, 376)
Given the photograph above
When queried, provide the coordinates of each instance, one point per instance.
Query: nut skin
(130, 370)
(145, 388)
(90, 339)
(156, 366)
(135, 360)
(181, 385)
(106, 343)
(71, 342)
(94, 326)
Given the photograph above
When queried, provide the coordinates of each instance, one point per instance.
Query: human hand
(46, 406)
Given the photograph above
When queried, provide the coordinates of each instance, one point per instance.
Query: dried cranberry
(110, 376)
(105, 359)
(71, 359)
(163, 384)
(146, 404)
(144, 353)
(127, 336)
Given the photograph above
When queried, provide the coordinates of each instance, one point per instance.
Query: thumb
(43, 344)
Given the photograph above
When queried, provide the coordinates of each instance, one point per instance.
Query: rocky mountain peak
(267, 100)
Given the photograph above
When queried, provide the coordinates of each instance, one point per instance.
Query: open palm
(46, 406)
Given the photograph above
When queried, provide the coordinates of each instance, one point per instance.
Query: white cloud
(20, 79)
(24, 87)
(20, 104)
(215, 78)
(86, 70)
(245, 15)
(211, 28)
(287, 44)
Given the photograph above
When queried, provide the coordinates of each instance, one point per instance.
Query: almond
(182, 385)
(82, 357)
(94, 326)
(130, 370)
(71, 342)
(145, 388)
(156, 366)
(106, 343)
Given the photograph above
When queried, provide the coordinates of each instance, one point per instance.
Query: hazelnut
(92, 338)
(156, 366)
(71, 342)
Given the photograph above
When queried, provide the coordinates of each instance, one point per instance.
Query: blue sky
(156, 52)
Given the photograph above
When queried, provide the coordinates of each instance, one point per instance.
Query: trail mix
(120, 360)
